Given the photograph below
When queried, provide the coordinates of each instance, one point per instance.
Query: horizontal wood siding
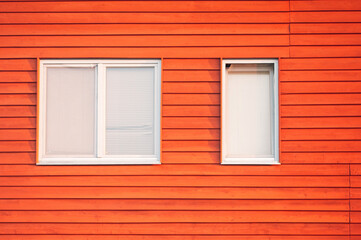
(314, 194)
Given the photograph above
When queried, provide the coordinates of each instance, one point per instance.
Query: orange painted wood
(193, 87)
(190, 99)
(146, 52)
(17, 122)
(326, 39)
(189, 111)
(355, 169)
(17, 146)
(332, 16)
(198, 146)
(17, 158)
(17, 64)
(355, 181)
(173, 204)
(17, 111)
(140, 29)
(191, 75)
(17, 99)
(355, 230)
(177, 228)
(334, 98)
(23, 76)
(355, 193)
(190, 122)
(180, 181)
(322, 158)
(176, 216)
(320, 134)
(325, 5)
(325, 51)
(341, 75)
(355, 205)
(320, 146)
(17, 134)
(355, 217)
(322, 63)
(179, 170)
(190, 157)
(175, 237)
(17, 87)
(189, 134)
(318, 111)
(155, 17)
(146, 6)
(144, 41)
(198, 64)
(321, 122)
(321, 87)
(174, 192)
(325, 28)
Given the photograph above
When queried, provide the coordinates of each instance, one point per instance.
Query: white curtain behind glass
(249, 114)
(129, 111)
(70, 106)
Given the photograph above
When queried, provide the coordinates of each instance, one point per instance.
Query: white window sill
(250, 161)
(98, 161)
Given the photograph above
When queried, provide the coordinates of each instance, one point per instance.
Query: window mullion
(101, 91)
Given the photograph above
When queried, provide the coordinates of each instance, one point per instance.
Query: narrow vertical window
(250, 112)
(99, 112)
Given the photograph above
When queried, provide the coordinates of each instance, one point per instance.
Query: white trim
(100, 79)
(274, 160)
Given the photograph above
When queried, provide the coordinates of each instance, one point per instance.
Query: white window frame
(100, 107)
(247, 160)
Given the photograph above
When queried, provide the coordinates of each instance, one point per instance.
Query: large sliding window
(99, 112)
(250, 112)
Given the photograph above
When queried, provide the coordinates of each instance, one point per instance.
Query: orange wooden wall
(315, 194)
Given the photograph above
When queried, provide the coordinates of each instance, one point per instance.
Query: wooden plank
(17, 99)
(190, 157)
(188, 134)
(141, 29)
(188, 122)
(146, 52)
(145, 41)
(325, 51)
(323, 158)
(325, 28)
(17, 111)
(322, 63)
(190, 99)
(355, 230)
(320, 111)
(174, 237)
(340, 75)
(320, 87)
(355, 204)
(154, 17)
(177, 228)
(320, 134)
(321, 146)
(178, 181)
(173, 204)
(325, 5)
(174, 192)
(178, 170)
(17, 122)
(328, 99)
(355, 193)
(17, 146)
(145, 6)
(176, 216)
(355, 181)
(24, 76)
(355, 169)
(193, 64)
(325, 39)
(17, 134)
(190, 75)
(321, 122)
(189, 111)
(317, 17)
(17, 158)
(17, 87)
(17, 64)
(189, 146)
(191, 87)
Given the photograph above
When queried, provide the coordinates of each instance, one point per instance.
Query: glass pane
(129, 111)
(249, 114)
(70, 106)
